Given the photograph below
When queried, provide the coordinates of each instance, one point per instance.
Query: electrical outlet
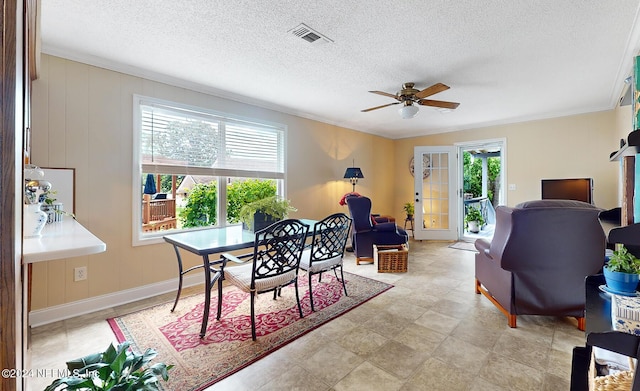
(80, 273)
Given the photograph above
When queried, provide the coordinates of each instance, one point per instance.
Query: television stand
(599, 332)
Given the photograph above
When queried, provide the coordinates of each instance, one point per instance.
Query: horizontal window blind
(174, 140)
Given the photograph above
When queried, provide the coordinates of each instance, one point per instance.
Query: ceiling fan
(409, 95)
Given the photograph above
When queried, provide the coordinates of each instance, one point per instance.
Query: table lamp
(353, 174)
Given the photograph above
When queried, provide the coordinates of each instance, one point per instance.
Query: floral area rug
(227, 346)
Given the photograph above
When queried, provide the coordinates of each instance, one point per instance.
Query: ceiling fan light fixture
(411, 98)
(408, 111)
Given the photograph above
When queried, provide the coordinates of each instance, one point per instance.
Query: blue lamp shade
(353, 172)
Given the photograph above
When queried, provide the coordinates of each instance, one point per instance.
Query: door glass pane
(444, 206)
(435, 176)
(435, 191)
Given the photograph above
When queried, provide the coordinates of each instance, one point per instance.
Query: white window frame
(145, 238)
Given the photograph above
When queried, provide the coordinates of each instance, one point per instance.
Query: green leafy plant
(623, 261)
(47, 199)
(474, 214)
(245, 191)
(116, 369)
(408, 208)
(200, 210)
(201, 207)
(274, 206)
(472, 174)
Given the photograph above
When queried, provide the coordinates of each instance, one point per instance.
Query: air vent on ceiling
(308, 34)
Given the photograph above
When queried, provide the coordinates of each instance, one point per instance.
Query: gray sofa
(538, 259)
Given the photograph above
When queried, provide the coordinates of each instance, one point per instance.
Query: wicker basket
(390, 258)
(620, 381)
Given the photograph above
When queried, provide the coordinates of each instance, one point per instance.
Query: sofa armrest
(483, 247)
(379, 219)
(386, 227)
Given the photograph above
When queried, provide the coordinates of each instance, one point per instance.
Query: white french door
(435, 193)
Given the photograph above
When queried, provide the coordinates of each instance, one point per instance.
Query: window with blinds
(181, 150)
(173, 139)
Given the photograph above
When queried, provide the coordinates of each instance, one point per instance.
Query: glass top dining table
(210, 241)
(213, 240)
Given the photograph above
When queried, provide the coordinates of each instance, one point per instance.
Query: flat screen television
(579, 189)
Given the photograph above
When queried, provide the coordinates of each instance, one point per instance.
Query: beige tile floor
(429, 332)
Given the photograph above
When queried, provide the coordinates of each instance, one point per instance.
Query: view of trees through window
(196, 197)
(198, 167)
(472, 173)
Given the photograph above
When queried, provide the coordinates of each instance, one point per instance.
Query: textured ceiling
(506, 61)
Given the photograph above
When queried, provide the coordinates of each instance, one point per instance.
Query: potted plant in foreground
(409, 209)
(621, 272)
(473, 220)
(117, 368)
(262, 213)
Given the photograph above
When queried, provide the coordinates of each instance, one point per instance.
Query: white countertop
(64, 239)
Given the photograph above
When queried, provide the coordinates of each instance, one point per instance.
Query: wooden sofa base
(363, 259)
(511, 318)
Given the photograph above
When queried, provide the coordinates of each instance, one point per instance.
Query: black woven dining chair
(327, 249)
(272, 265)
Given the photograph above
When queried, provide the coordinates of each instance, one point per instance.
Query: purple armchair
(365, 233)
(539, 257)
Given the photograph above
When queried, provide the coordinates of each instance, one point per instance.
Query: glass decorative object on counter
(33, 218)
(55, 211)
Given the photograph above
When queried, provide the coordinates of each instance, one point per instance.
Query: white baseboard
(93, 304)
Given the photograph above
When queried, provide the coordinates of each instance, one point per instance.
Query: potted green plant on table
(264, 212)
(621, 273)
(117, 368)
(409, 209)
(473, 219)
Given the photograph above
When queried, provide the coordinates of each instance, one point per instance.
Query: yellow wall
(567, 147)
(82, 118)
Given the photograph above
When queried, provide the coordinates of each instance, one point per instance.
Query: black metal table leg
(208, 285)
(180, 273)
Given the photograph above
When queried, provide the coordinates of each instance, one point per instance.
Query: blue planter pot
(621, 282)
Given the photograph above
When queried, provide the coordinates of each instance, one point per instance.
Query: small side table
(410, 223)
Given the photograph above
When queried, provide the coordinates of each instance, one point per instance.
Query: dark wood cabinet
(599, 332)
(619, 227)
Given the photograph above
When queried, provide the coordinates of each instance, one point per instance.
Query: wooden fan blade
(434, 89)
(438, 103)
(385, 94)
(379, 107)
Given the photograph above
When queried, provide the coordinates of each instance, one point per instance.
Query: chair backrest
(278, 248)
(550, 249)
(543, 234)
(330, 237)
(360, 210)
